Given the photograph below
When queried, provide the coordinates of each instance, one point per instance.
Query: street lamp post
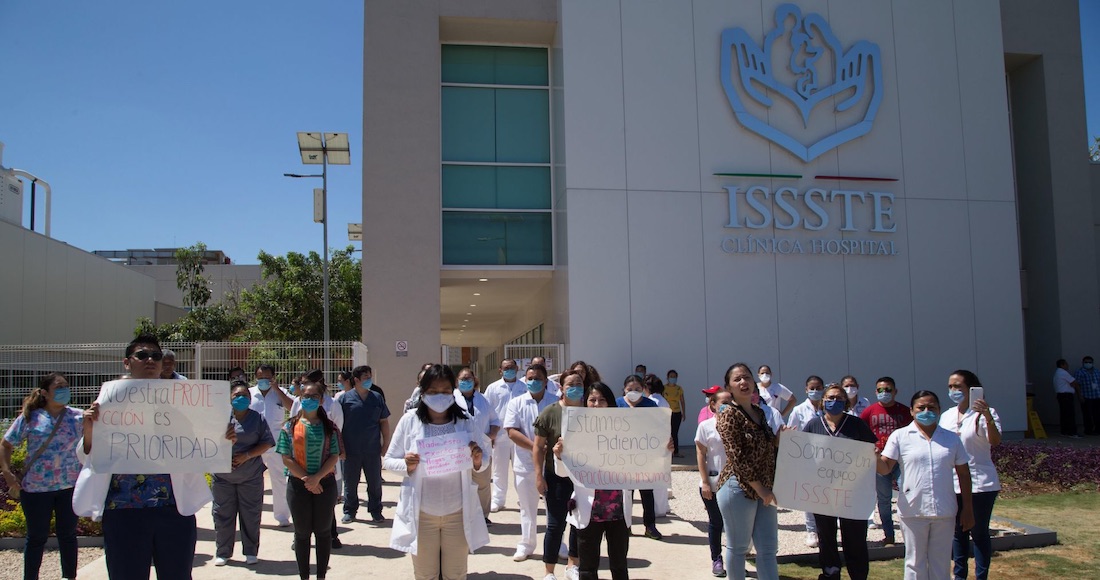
(322, 149)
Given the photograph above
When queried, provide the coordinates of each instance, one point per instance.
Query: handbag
(15, 492)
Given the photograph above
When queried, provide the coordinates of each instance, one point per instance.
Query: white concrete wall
(224, 278)
(55, 293)
(647, 124)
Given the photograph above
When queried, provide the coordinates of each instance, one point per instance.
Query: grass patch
(1077, 554)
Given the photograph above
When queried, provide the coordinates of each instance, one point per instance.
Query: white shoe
(550, 576)
(282, 524)
(250, 560)
(811, 540)
(221, 561)
(520, 555)
(495, 508)
(572, 573)
(872, 526)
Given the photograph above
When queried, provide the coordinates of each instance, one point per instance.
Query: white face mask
(440, 402)
(633, 396)
(852, 392)
(765, 378)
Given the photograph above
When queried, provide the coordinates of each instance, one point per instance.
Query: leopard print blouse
(750, 448)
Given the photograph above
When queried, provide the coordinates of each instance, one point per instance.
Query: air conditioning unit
(11, 197)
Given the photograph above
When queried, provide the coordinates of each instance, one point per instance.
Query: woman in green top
(309, 444)
(556, 489)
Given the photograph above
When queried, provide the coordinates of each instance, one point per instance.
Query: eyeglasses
(835, 398)
(144, 355)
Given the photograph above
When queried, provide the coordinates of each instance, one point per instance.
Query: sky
(159, 125)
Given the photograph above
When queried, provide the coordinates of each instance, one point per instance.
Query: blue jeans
(884, 489)
(744, 518)
(37, 509)
(983, 549)
(134, 539)
(715, 525)
(558, 492)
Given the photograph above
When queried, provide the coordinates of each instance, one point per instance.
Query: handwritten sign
(162, 426)
(825, 475)
(445, 454)
(617, 448)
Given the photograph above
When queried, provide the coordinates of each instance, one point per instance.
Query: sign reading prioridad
(617, 448)
(162, 426)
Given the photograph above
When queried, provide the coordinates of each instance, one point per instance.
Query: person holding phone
(979, 427)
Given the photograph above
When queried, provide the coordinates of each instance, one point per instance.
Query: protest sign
(162, 426)
(445, 454)
(617, 448)
(825, 475)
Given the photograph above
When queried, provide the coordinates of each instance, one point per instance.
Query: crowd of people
(316, 443)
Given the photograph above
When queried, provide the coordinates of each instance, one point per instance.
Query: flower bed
(12, 522)
(1027, 468)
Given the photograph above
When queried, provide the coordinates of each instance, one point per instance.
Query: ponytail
(37, 399)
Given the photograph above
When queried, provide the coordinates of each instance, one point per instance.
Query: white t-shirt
(270, 407)
(861, 404)
(773, 417)
(521, 414)
(927, 468)
(499, 394)
(660, 400)
(707, 435)
(802, 414)
(776, 396)
(1062, 381)
(973, 429)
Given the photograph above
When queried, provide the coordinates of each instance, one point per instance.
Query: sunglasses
(143, 355)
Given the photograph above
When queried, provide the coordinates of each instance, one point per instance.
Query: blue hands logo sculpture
(811, 40)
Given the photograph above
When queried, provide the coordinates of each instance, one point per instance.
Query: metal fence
(87, 366)
(523, 353)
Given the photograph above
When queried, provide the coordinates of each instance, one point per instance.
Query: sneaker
(520, 555)
(888, 542)
(488, 524)
(872, 526)
(550, 576)
(718, 568)
(221, 561)
(377, 518)
(347, 519)
(811, 540)
(282, 524)
(336, 543)
(653, 534)
(250, 560)
(495, 508)
(572, 573)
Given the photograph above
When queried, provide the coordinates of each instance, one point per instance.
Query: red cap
(713, 389)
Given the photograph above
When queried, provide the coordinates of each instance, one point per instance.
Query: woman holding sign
(557, 489)
(745, 495)
(836, 422)
(51, 429)
(634, 396)
(439, 519)
(979, 427)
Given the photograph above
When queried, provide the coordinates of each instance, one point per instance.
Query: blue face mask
(240, 402)
(574, 393)
(535, 386)
(885, 397)
(292, 389)
(815, 395)
(368, 383)
(264, 384)
(1088, 366)
(672, 380)
(722, 408)
(510, 375)
(310, 405)
(956, 396)
(835, 407)
(466, 386)
(62, 395)
(927, 418)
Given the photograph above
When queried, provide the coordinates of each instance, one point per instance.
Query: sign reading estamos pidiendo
(617, 448)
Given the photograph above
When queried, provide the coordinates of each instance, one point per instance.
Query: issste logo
(801, 68)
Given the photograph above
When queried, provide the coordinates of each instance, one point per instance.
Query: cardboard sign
(162, 426)
(445, 454)
(617, 448)
(825, 475)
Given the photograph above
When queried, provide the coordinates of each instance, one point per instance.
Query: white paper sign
(445, 454)
(162, 426)
(617, 448)
(825, 475)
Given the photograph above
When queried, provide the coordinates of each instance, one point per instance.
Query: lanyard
(838, 428)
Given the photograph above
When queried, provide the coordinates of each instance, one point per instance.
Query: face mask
(722, 408)
(293, 389)
(927, 418)
(466, 386)
(368, 383)
(310, 405)
(439, 403)
(885, 397)
(672, 380)
(62, 395)
(574, 393)
(240, 403)
(264, 384)
(633, 396)
(765, 378)
(535, 386)
(815, 395)
(956, 396)
(835, 407)
(852, 392)
(1088, 366)
(510, 375)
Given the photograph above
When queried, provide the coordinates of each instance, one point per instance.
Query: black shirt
(852, 427)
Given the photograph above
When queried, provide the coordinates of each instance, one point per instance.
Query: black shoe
(336, 543)
(377, 518)
(292, 545)
(488, 524)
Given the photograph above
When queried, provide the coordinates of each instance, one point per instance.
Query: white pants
(660, 502)
(502, 467)
(275, 474)
(928, 547)
(528, 511)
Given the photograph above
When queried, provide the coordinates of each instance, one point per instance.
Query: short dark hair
(846, 377)
(233, 370)
(343, 375)
(537, 368)
(317, 377)
(1061, 363)
(267, 367)
(361, 370)
(654, 384)
(512, 360)
(887, 380)
(139, 340)
(921, 395)
(812, 378)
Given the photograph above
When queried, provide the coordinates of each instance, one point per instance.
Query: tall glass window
(496, 156)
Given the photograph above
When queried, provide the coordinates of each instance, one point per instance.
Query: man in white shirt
(271, 401)
(499, 394)
(552, 385)
(519, 421)
(1068, 391)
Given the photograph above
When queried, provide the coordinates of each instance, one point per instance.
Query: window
(496, 178)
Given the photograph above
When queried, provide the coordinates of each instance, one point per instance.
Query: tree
(189, 278)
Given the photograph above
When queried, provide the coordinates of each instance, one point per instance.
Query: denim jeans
(983, 550)
(558, 492)
(884, 489)
(715, 526)
(37, 509)
(743, 519)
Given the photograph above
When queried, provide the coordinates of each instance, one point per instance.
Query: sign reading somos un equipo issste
(617, 448)
(825, 475)
(162, 426)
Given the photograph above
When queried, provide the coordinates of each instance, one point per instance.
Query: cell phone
(975, 394)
